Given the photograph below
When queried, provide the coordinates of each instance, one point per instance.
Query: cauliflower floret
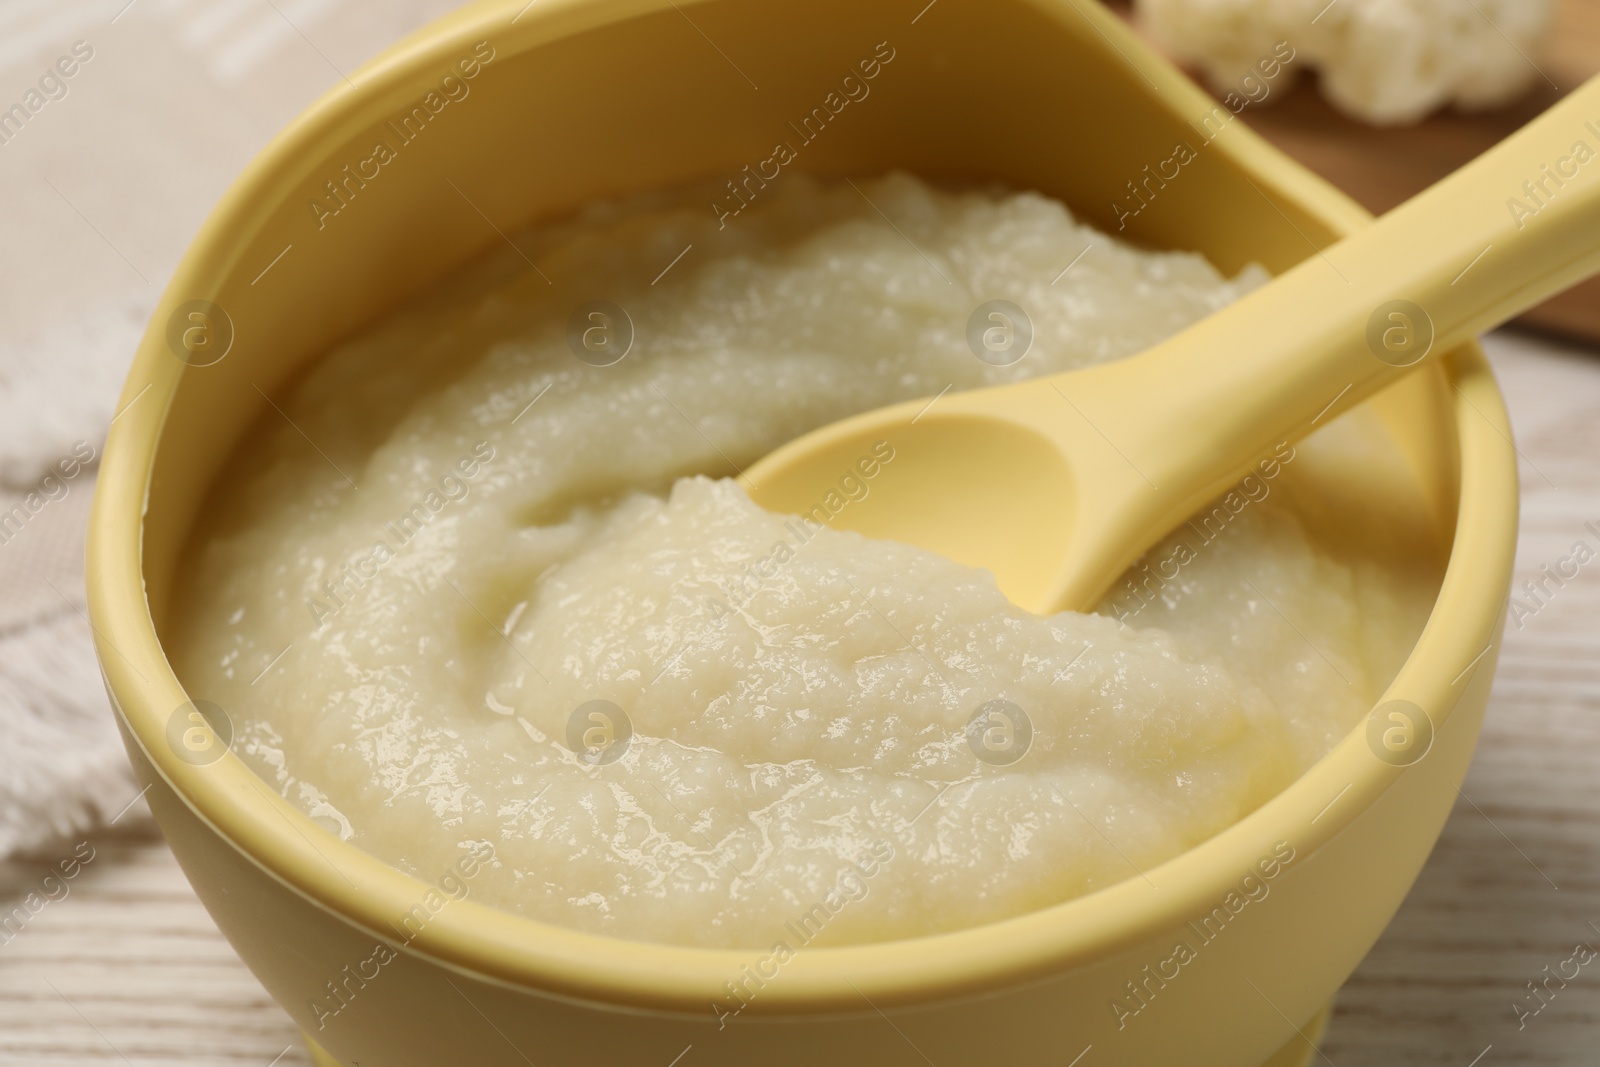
(1384, 61)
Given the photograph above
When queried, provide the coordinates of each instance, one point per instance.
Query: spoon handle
(1515, 226)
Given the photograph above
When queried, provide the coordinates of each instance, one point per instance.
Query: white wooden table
(128, 969)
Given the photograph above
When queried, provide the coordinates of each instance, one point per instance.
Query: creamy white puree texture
(488, 534)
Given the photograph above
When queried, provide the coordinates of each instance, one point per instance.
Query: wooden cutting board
(1383, 167)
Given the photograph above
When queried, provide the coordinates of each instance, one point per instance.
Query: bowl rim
(526, 954)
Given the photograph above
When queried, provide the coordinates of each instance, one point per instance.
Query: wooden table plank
(128, 968)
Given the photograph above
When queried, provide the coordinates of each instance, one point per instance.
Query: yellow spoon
(1057, 484)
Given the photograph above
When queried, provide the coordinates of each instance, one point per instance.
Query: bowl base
(1296, 1053)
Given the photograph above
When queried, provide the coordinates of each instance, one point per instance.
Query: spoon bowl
(948, 476)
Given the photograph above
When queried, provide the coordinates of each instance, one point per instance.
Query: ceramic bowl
(509, 112)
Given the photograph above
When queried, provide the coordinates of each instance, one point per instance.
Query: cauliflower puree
(469, 588)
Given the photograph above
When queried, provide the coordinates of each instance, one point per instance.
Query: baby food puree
(486, 579)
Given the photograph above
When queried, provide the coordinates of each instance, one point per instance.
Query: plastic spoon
(1059, 483)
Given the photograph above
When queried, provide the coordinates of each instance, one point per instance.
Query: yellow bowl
(504, 113)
